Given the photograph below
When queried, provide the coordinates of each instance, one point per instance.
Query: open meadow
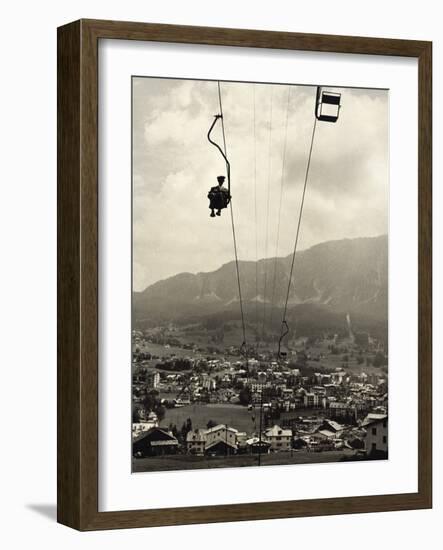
(236, 416)
(188, 462)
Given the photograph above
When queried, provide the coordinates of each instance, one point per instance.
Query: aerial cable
(255, 215)
(282, 181)
(243, 347)
(284, 325)
(267, 213)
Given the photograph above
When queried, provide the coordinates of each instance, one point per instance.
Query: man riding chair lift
(219, 197)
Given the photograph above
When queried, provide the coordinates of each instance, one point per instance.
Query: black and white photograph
(259, 274)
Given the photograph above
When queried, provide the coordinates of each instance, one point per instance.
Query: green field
(187, 462)
(161, 351)
(329, 361)
(236, 416)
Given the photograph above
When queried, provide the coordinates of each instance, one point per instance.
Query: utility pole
(226, 440)
(260, 429)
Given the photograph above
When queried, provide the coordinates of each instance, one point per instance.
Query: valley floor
(188, 462)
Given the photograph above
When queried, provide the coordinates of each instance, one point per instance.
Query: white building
(221, 432)
(311, 400)
(143, 426)
(196, 442)
(153, 379)
(376, 438)
(209, 384)
(279, 439)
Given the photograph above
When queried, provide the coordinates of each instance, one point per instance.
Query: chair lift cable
(267, 214)
(282, 182)
(284, 324)
(243, 346)
(255, 217)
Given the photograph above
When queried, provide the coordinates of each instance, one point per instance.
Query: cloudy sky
(174, 166)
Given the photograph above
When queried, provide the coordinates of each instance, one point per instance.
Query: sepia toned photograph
(259, 274)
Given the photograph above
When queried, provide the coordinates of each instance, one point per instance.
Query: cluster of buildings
(225, 440)
(219, 440)
(369, 438)
(339, 392)
(304, 406)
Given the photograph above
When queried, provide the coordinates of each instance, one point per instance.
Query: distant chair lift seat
(327, 105)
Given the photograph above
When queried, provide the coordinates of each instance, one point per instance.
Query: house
(196, 442)
(143, 426)
(329, 435)
(300, 443)
(221, 432)
(279, 439)
(322, 379)
(338, 376)
(322, 440)
(153, 379)
(255, 446)
(153, 418)
(362, 378)
(339, 409)
(258, 387)
(376, 438)
(324, 431)
(241, 437)
(261, 377)
(155, 442)
(200, 442)
(209, 384)
(220, 448)
(311, 400)
(332, 427)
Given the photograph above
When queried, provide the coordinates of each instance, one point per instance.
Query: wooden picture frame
(78, 273)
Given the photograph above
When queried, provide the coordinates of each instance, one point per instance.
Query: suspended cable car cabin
(327, 105)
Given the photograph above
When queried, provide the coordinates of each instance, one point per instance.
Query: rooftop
(220, 427)
(277, 431)
(372, 418)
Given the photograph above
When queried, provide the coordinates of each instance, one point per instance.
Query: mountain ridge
(347, 275)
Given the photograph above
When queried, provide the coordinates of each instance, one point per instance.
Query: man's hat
(221, 178)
